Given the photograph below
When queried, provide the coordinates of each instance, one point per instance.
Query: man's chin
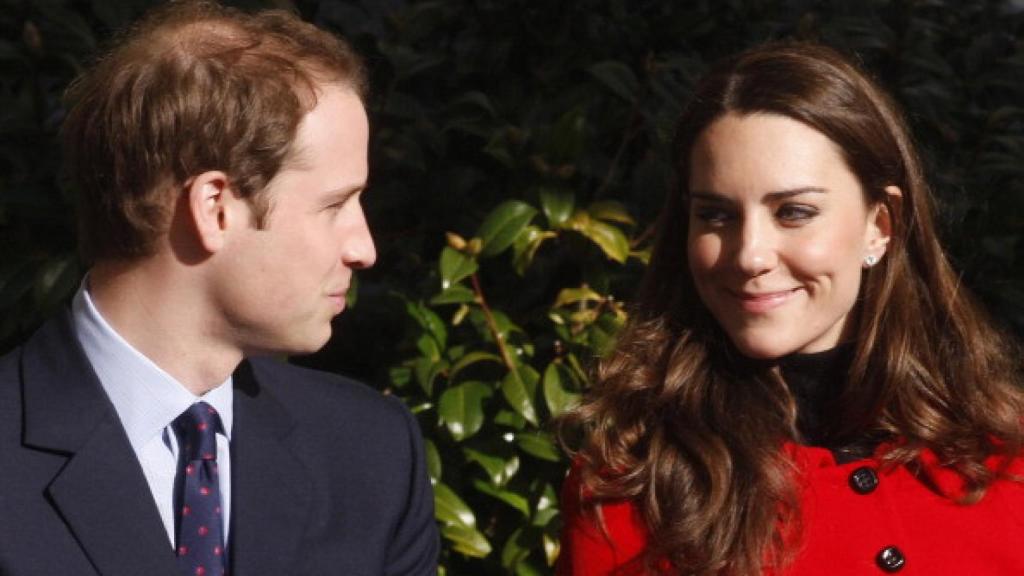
(304, 346)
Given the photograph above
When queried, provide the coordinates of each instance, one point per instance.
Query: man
(220, 158)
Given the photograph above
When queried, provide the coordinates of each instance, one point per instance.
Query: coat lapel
(100, 492)
(270, 488)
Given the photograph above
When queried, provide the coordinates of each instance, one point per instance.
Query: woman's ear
(879, 225)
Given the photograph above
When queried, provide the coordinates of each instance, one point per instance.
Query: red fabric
(843, 531)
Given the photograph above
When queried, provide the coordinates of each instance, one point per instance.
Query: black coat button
(863, 480)
(890, 559)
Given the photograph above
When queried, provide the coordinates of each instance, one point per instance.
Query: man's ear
(209, 197)
(880, 224)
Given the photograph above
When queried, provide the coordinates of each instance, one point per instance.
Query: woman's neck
(816, 380)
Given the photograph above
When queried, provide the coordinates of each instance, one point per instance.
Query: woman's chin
(762, 348)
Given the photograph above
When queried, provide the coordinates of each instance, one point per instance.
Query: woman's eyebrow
(783, 194)
(772, 196)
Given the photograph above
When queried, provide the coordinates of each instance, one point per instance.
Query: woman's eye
(711, 215)
(795, 213)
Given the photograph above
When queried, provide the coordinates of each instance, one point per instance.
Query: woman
(804, 387)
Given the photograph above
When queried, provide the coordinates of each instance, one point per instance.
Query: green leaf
(510, 419)
(433, 460)
(514, 551)
(539, 445)
(420, 407)
(426, 371)
(526, 245)
(542, 518)
(603, 332)
(466, 541)
(547, 506)
(477, 99)
(513, 499)
(644, 256)
(557, 204)
(458, 523)
(428, 320)
(454, 294)
(455, 266)
(352, 295)
(400, 375)
(608, 238)
(573, 295)
(568, 136)
(611, 211)
(551, 548)
(503, 323)
(461, 408)
(501, 227)
(470, 359)
(556, 393)
(427, 345)
(519, 388)
(618, 78)
(548, 498)
(580, 375)
(526, 569)
(57, 279)
(500, 468)
(498, 149)
(460, 314)
(449, 509)
(515, 555)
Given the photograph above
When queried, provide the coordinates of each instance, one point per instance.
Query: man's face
(280, 286)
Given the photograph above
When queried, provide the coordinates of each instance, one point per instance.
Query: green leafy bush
(489, 383)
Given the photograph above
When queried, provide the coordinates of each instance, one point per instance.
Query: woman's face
(779, 229)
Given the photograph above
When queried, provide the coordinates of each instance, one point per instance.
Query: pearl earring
(870, 260)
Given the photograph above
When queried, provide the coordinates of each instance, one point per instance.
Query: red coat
(857, 519)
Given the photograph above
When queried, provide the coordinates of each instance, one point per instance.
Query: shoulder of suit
(9, 362)
(308, 391)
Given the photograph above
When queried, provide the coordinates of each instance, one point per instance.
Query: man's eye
(795, 213)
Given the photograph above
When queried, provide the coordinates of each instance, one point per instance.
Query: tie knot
(197, 429)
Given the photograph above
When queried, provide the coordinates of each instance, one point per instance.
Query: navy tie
(200, 547)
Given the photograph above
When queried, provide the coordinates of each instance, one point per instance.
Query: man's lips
(338, 298)
(762, 300)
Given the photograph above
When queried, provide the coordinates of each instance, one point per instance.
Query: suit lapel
(270, 489)
(101, 492)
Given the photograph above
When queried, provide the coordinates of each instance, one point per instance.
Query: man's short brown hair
(192, 87)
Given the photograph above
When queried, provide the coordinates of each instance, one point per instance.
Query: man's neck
(165, 318)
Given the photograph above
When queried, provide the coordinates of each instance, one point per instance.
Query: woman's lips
(761, 302)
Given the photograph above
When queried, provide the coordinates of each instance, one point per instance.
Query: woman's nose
(754, 251)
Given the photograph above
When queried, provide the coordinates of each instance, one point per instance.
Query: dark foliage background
(520, 153)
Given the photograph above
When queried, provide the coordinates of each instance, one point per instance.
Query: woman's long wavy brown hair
(680, 423)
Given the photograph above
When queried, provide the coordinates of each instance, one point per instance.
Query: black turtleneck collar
(816, 380)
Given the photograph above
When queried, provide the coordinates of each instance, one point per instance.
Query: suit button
(863, 480)
(890, 559)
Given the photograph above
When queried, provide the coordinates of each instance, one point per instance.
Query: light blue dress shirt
(147, 399)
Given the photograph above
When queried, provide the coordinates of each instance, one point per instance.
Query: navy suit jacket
(327, 475)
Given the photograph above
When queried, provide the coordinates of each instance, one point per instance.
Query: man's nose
(359, 251)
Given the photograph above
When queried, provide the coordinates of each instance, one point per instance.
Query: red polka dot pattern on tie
(200, 546)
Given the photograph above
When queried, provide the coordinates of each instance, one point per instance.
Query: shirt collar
(146, 398)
